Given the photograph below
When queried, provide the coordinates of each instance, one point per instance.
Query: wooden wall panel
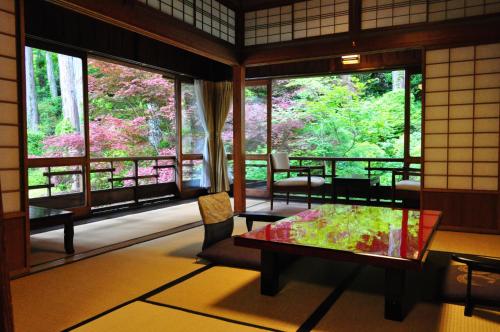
(461, 136)
(476, 212)
(11, 154)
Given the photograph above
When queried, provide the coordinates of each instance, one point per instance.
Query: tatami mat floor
(49, 246)
(111, 292)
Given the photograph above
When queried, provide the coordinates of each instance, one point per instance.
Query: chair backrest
(217, 215)
(280, 160)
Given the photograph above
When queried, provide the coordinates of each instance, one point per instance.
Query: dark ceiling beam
(473, 30)
(251, 5)
(139, 18)
(369, 62)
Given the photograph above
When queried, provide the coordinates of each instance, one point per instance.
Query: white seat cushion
(408, 185)
(316, 181)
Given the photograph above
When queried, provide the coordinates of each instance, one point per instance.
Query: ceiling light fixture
(351, 59)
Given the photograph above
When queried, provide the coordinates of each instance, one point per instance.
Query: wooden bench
(41, 217)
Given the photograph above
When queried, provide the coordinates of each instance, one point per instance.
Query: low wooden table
(355, 181)
(41, 217)
(393, 239)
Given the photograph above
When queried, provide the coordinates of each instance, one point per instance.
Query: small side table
(41, 217)
(355, 181)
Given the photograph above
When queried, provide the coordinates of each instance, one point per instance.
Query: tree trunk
(6, 317)
(68, 91)
(154, 130)
(346, 80)
(50, 74)
(31, 103)
(77, 67)
(398, 80)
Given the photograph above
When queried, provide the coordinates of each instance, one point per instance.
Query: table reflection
(389, 232)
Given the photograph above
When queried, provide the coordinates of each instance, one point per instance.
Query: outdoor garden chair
(303, 182)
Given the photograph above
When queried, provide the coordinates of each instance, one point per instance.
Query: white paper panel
(8, 113)
(11, 202)
(435, 182)
(10, 180)
(435, 168)
(481, 183)
(437, 141)
(10, 158)
(455, 182)
(9, 136)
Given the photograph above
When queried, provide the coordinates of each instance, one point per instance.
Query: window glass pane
(131, 111)
(193, 135)
(256, 119)
(416, 115)
(227, 132)
(356, 115)
(54, 104)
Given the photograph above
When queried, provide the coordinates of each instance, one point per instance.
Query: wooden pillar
(6, 320)
(407, 117)
(239, 138)
(178, 127)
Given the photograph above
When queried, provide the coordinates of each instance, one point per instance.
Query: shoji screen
(210, 15)
(9, 125)
(462, 109)
(301, 20)
(268, 25)
(440, 10)
(320, 17)
(384, 13)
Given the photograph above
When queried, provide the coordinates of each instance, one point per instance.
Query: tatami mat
(56, 299)
(361, 308)
(144, 317)
(235, 293)
(49, 246)
(470, 243)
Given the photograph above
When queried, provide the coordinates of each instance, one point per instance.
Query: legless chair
(280, 163)
(218, 245)
(475, 282)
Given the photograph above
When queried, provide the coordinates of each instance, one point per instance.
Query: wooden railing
(334, 166)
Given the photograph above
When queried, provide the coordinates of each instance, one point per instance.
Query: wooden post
(239, 138)
(407, 117)
(178, 124)
(6, 318)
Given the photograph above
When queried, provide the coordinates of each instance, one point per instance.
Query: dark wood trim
(251, 5)
(23, 131)
(6, 316)
(86, 132)
(178, 126)
(139, 18)
(409, 59)
(354, 18)
(239, 138)
(441, 34)
(407, 116)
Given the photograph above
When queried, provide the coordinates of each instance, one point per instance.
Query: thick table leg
(395, 294)
(68, 236)
(270, 273)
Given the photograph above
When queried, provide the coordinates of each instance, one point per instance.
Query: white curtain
(204, 93)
